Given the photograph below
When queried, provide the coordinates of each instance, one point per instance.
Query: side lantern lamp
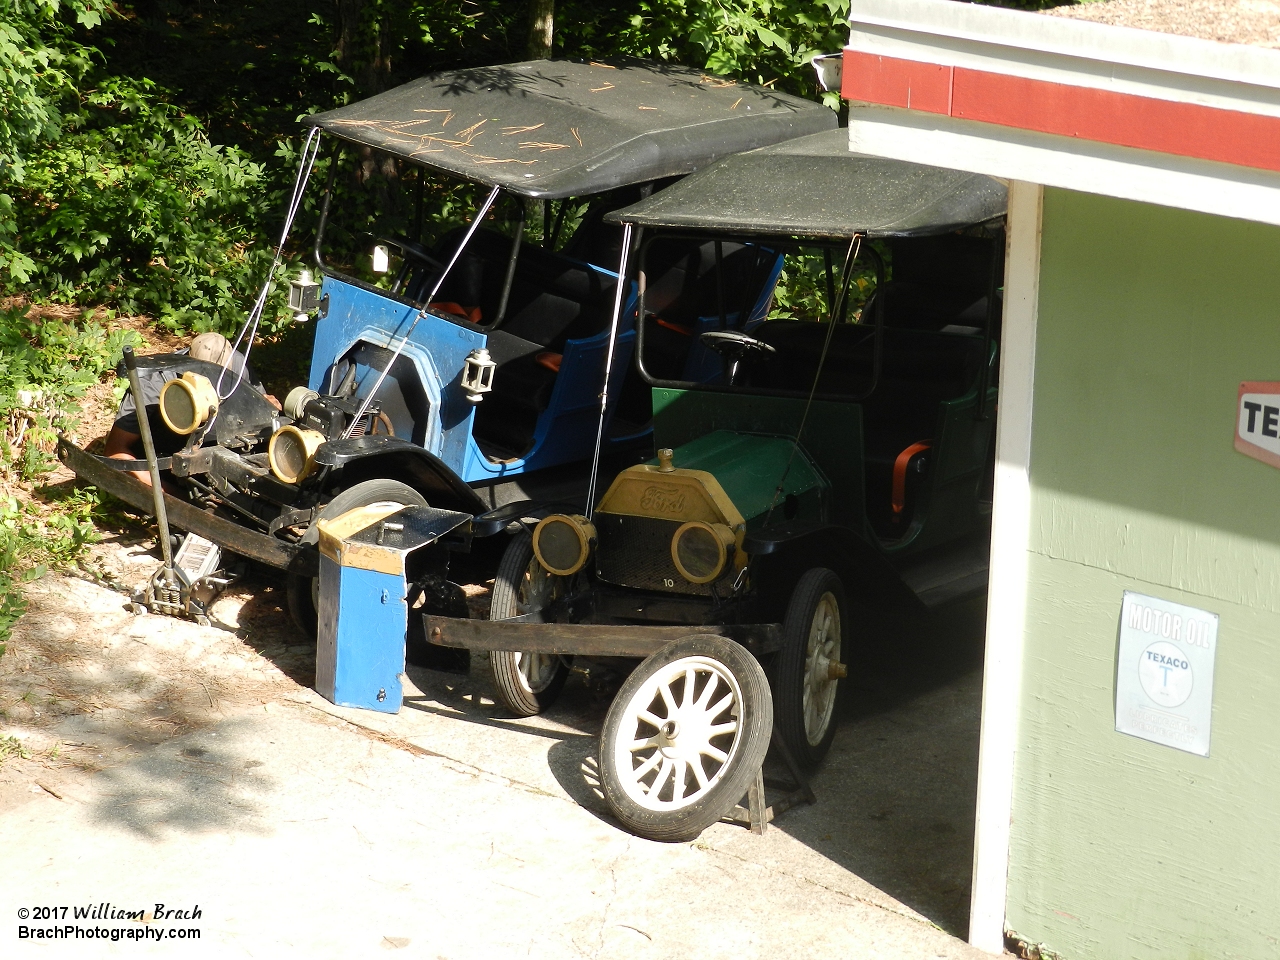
(477, 375)
(304, 296)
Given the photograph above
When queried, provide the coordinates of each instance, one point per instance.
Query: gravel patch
(1253, 22)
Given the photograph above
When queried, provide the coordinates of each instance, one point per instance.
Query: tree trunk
(542, 18)
(348, 26)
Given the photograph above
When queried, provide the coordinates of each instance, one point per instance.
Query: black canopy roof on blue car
(560, 128)
(814, 187)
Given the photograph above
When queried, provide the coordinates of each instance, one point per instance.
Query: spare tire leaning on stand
(684, 737)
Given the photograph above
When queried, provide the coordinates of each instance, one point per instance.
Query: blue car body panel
(438, 349)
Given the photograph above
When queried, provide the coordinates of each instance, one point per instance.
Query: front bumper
(528, 634)
(295, 558)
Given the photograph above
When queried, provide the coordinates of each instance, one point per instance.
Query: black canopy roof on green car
(558, 128)
(814, 187)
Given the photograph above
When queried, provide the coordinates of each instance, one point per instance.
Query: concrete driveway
(447, 831)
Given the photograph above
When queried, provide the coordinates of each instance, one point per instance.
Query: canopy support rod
(618, 299)
(475, 223)
(316, 254)
(555, 230)
(419, 204)
(511, 271)
(831, 280)
(724, 322)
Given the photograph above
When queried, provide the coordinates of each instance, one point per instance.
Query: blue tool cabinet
(362, 610)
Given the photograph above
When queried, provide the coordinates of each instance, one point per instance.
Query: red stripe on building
(1085, 113)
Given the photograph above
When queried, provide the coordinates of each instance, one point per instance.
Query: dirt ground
(86, 685)
(167, 759)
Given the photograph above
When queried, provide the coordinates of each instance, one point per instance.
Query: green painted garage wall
(1149, 318)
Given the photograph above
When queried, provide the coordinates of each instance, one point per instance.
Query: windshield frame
(780, 245)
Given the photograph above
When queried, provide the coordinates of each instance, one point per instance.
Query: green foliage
(40, 535)
(111, 194)
(34, 536)
(39, 65)
(133, 207)
(762, 41)
(12, 746)
(45, 368)
(12, 605)
(802, 291)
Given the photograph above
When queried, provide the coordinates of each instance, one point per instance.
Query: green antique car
(808, 468)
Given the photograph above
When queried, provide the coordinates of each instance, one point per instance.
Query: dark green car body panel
(749, 466)
(831, 452)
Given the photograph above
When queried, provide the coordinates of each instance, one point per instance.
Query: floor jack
(185, 585)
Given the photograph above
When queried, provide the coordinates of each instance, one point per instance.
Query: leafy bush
(801, 293)
(39, 65)
(762, 41)
(133, 207)
(45, 368)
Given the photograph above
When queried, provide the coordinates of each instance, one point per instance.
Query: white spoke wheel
(303, 593)
(684, 737)
(806, 670)
(526, 683)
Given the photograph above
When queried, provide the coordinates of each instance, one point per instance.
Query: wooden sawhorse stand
(756, 814)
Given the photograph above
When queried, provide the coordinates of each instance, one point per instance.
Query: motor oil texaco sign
(1258, 421)
(1164, 672)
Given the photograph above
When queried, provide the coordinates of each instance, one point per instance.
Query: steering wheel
(411, 250)
(736, 348)
(412, 254)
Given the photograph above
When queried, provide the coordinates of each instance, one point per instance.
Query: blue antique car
(464, 371)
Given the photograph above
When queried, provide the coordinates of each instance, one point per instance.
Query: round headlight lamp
(701, 550)
(187, 402)
(291, 452)
(562, 543)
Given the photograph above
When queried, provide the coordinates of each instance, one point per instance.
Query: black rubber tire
(788, 675)
(744, 753)
(513, 690)
(299, 590)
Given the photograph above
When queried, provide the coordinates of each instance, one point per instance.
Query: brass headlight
(562, 543)
(701, 550)
(187, 402)
(291, 452)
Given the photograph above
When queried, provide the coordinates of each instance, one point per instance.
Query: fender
(498, 519)
(370, 457)
(786, 551)
(245, 412)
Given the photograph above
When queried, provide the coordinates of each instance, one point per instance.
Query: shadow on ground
(896, 795)
(209, 781)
